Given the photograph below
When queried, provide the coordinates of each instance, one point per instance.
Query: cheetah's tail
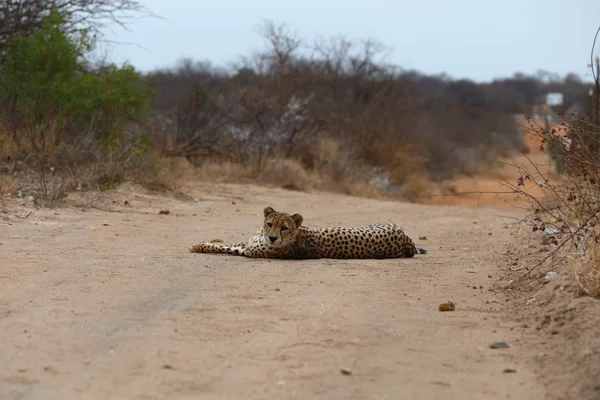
(206, 247)
(421, 250)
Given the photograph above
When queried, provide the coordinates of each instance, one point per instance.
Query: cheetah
(284, 237)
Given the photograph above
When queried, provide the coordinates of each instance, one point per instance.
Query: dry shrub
(401, 158)
(331, 167)
(151, 172)
(50, 176)
(406, 165)
(100, 176)
(329, 173)
(322, 165)
(8, 185)
(360, 189)
(5, 143)
(221, 171)
(56, 189)
(408, 170)
(330, 160)
(339, 170)
(288, 174)
(585, 271)
(161, 174)
(565, 201)
(417, 187)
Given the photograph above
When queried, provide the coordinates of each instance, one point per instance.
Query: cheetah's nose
(272, 239)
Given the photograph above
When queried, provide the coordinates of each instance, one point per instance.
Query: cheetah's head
(280, 228)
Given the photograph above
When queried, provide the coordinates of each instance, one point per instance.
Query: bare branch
(22, 17)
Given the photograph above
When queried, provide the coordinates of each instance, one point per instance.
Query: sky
(476, 39)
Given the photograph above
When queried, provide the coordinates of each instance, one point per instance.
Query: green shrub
(49, 95)
(62, 113)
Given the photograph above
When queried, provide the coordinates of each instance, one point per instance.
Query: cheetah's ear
(268, 211)
(297, 219)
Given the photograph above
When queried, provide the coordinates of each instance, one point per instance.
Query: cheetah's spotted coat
(284, 237)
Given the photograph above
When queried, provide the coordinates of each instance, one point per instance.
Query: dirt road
(97, 304)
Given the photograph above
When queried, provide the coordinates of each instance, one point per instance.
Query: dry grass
(585, 271)
(324, 165)
(220, 172)
(331, 167)
(285, 173)
(288, 174)
(161, 174)
(417, 188)
(331, 161)
(8, 185)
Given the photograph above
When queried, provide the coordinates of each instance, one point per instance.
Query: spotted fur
(284, 237)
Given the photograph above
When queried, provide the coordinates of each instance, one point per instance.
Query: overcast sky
(476, 39)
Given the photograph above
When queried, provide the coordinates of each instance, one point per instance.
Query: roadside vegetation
(330, 115)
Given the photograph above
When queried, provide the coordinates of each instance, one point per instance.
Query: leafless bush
(565, 206)
(283, 101)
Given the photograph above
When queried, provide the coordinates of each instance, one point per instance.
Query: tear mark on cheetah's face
(280, 229)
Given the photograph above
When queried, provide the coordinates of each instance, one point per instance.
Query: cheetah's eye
(284, 228)
(269, 224)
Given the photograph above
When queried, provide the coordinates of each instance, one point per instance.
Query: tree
(47, 95)
(25, 17)
(466, 92)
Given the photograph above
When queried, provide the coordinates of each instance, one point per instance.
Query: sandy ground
(105, 301)
(101, 299)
